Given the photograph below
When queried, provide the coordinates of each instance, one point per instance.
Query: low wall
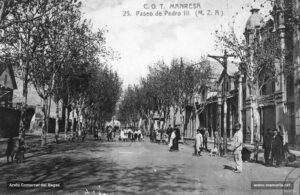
(9, 122)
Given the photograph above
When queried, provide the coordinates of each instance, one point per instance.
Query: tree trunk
(73, 122)
(174, 117)
(149, 124)
(95, 127)
(78, 126)
(91, 125)
(83, 126)
(44, 129)
(67, 121)
(63, 113)
(255, 116)
(25, 95)
(256, 121)
(57, 121)
(48, 113)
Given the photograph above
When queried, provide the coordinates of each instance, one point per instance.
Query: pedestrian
(129, 132)
(142, 135)
(21, 151)
(153, 136)
(237, 148)
(205, 137)
(95, 134)
(198, 143)
(135, 135)
(99, 134)
(122, 135)
(222, 146)
(169, 132)
(139, 135)
(11, 149)
(175, 136)
(267, 145)
(277, 146)
(158, 136)
(172, 137)
(107, 133)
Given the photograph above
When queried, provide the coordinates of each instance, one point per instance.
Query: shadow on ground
(89, 172)
(228, 167)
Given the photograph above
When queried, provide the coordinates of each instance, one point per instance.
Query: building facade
(278, 100)
(7, 85)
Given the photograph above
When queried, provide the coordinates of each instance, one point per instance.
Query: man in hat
(237, 148)
(277, 146)
(205, 137)
(169, 132)
(267, 146)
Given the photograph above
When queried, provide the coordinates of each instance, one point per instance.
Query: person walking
(175, 137)
(122, 135)
(237, 148)
(129, 133)
(277, 146)
(169, 132)
(172, 137)
(198, 143)
(205, 137)
(267, 145)
(139, 133)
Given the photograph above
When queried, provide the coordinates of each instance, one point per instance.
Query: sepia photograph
(134, 97)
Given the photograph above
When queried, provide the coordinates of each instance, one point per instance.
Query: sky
(142, 40)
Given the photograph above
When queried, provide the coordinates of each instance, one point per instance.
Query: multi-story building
(278, 100)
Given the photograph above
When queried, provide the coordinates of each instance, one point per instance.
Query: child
(198, 143)
(214, 152)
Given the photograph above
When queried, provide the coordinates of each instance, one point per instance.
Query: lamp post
(223, 60)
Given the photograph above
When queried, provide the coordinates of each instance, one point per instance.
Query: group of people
(15, 149)
(170, 136)
(131, 134)
(174, 137)
(276, 147)
(201, 139)
(159, 136)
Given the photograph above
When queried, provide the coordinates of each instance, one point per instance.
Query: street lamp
(223, 60)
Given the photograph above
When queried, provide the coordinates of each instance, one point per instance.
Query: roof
(2, 68)
(11, 73)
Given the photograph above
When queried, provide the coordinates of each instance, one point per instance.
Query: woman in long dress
(175, 137)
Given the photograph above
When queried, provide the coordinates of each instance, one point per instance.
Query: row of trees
(165, 87)
(52, 47)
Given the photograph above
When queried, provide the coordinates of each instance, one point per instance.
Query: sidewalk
(247, 145)
(296, 164)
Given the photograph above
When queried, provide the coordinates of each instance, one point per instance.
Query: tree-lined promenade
(165, 86)
(52, 47)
